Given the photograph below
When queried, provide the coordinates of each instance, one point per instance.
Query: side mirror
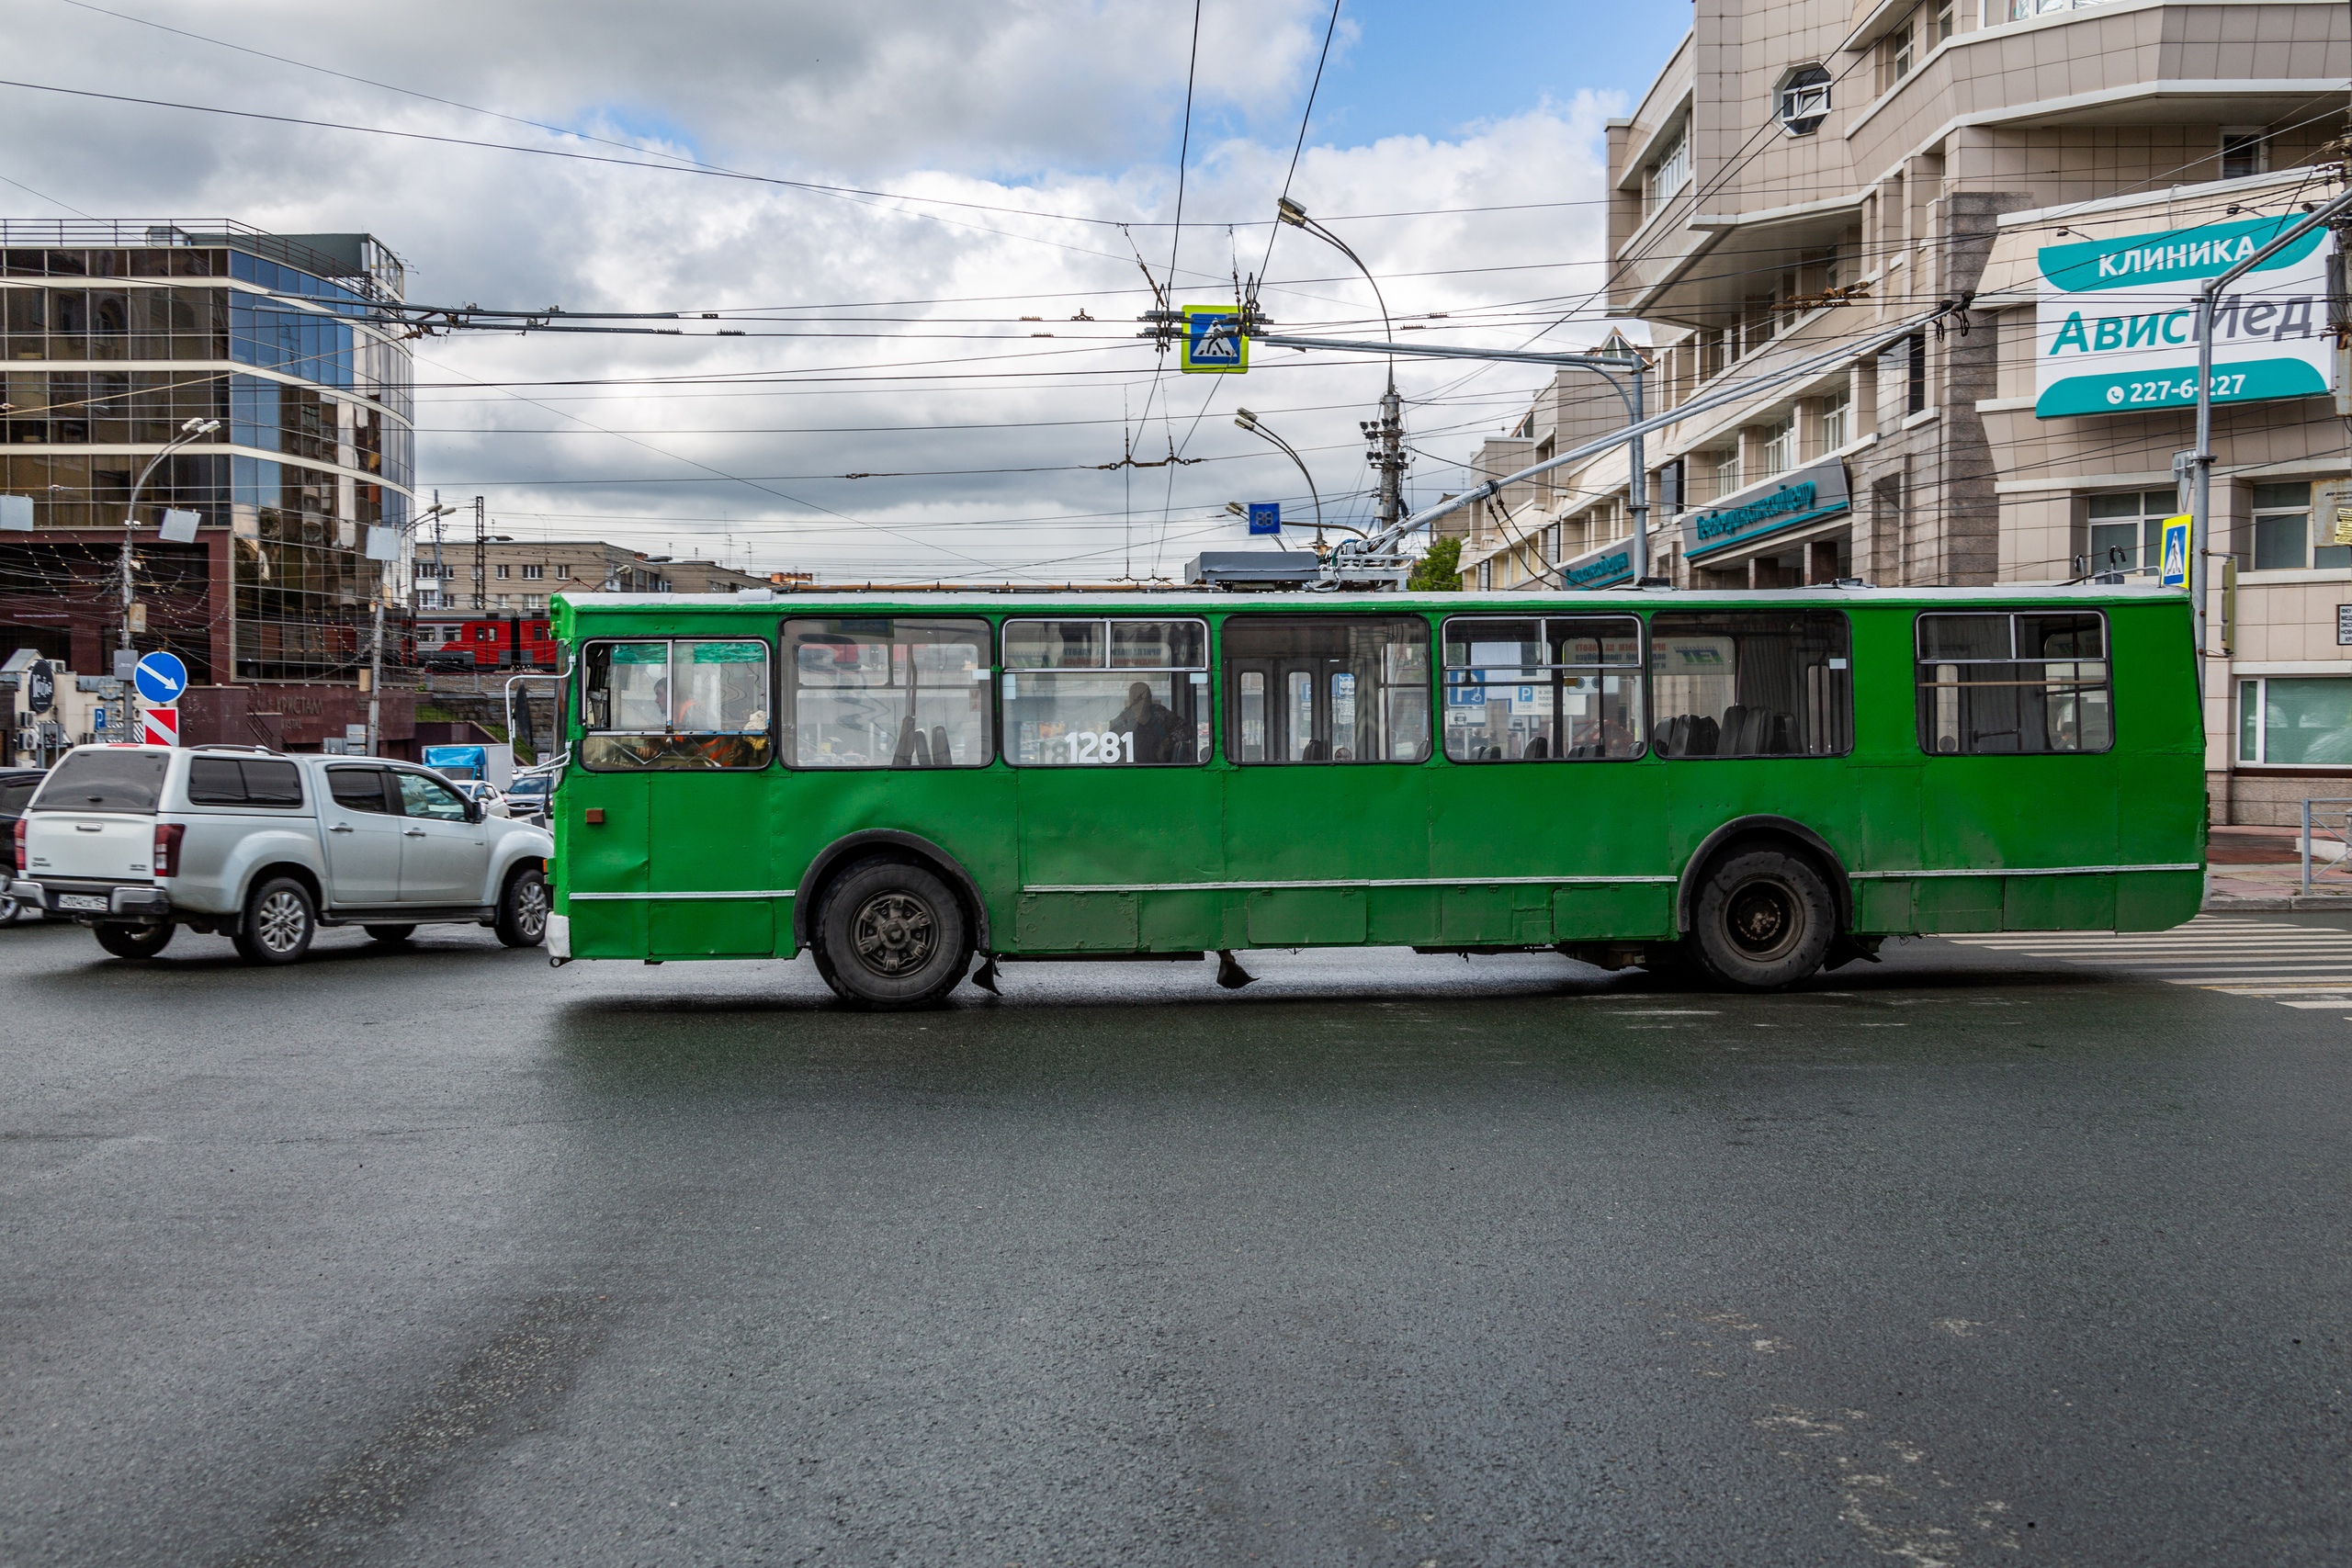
(474, 811)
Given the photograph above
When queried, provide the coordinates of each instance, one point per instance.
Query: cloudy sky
(1025, 153)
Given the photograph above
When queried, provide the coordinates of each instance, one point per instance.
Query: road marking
(2272, 961)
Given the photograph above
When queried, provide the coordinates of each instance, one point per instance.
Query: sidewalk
(2260, 868)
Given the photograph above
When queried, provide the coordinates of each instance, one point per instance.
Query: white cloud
(1043, 107)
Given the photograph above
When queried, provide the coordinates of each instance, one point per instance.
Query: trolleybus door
(1327, 799)
(1107, 724)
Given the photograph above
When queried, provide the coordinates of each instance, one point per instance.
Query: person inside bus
(1158, 736)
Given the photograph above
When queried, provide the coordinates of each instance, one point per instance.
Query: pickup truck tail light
(167, 847)
(17, 848)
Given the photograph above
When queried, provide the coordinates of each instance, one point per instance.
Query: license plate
(95, 903)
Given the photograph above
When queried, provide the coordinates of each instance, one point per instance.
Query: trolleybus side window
(675, 704)
(883, 691)
(1765, 685)
(1995, 684)
(1079, 693)
(1557, 689)
(1326, 688)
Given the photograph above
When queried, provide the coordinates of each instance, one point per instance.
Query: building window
(2127, 530)
(1668, 175)
(1896, 56)
(501, 600)
(562, 569)
(2282, 531)
(2243, 152)
(535, 601)
(2304, 722)
(1781, 447)
(1996, 685)
(501, 572)
(1726, 473)
(1804, 100)
(1487, 572)
(1837, 421)
(1913, 350)
(1947, 18)
(533, 574)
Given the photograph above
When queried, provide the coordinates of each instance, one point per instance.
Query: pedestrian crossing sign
(2174, 571)
(1212, 342)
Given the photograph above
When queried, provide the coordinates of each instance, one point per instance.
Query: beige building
(1806, 173)
(518, 576)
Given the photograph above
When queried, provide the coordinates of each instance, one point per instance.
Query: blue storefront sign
(1604, 568)
(1783, 502)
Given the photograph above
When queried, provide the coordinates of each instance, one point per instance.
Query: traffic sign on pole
(1224, 354)
(160, 727)
(2174, 564)
(160, 678)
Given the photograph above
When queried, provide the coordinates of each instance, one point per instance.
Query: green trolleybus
(1756, 786)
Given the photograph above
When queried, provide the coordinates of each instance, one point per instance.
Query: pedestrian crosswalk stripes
(2308, 968)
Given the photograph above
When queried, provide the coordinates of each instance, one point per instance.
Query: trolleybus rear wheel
(1765, 920)
(891, 935)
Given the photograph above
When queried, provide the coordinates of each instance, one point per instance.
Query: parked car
(135, 842)
(529, 796)
(17, 787)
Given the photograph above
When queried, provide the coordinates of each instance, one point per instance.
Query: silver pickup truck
(135, 842)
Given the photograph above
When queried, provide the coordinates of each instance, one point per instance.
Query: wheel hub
(1763, 920)
(895, 933)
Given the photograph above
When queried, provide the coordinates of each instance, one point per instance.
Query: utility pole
(376, 656)
(1386, 434)
(481, 556)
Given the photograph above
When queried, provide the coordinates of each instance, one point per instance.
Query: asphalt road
(446, 1257)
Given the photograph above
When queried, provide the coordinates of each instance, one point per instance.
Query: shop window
(2295, 721)
(682, 705)
(2127, 529)
(1751, 685)
(2000, 684)
(878, 692)
(1537, 691)
(1095, 693)
(1328, 689)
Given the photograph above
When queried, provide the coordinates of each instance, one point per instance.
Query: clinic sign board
(2115, 324)
(1779, 505)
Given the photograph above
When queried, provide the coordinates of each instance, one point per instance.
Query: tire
(389, 936)
(1764, 920)
(132, 941)
(891, 936)
(11, 908)
(523, 908)
(280, 919)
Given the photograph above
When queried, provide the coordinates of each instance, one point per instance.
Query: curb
(2293, 901)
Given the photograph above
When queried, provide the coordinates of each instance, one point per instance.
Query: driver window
(684, 704)
(422, 796)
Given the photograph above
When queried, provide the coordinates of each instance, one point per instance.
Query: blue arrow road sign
(1265, 517)
(160, 678)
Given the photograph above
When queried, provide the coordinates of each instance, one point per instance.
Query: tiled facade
(1803, 172)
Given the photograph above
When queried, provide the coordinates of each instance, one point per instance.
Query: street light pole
(193, 430)
(1248, 422)
(376, 658)
(1388, 430)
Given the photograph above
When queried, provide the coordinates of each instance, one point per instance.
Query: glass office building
(115, 333)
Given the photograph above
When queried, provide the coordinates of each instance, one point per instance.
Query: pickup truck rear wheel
(523, 908)
(280, 922)
(131, 942)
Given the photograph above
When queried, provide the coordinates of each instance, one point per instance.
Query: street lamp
(193, 430)
(1248, 422)
(1390, 431)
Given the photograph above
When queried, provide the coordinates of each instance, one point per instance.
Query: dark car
(17, 787)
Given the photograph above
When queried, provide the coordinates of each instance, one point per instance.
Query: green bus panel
(1143, 832)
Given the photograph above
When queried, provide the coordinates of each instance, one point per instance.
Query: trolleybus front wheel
(1764, 920)
(891, 935)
